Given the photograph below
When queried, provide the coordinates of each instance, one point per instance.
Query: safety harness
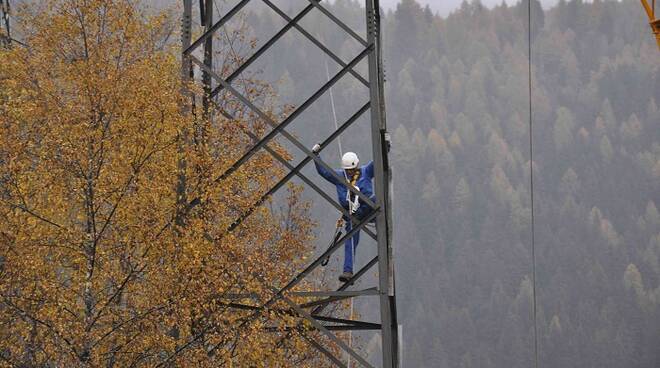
(353, 206)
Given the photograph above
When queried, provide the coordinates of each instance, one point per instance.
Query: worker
(361, 178)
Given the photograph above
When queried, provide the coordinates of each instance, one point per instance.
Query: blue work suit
(365, 184)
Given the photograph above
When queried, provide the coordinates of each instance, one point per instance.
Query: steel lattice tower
(371, 51)
(5, 33)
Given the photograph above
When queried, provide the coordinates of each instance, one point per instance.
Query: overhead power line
(531, 183)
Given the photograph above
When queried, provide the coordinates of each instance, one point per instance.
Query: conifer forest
(458, 109)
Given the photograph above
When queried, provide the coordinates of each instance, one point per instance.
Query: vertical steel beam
(186, 37)
(5, 35)
(206, 11)
(186, 76)
(382, 182)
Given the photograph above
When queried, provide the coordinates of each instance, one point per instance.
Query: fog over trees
(457, 93)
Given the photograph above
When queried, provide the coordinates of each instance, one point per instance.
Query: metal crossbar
(279, 128)
(337, 321)
(294, 170)
(297, 168)
(370, 291)
(326, 324)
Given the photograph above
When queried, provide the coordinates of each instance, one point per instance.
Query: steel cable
(531, 183)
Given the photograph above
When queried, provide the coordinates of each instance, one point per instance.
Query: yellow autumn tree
(113, 243)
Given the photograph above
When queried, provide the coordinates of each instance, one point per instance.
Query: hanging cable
(334, 110)
(531, 182)
(341, 152)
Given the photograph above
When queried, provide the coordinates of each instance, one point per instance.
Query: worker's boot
(344, 277)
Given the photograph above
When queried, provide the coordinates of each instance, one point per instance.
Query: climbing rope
(340, 222)
(531, 183)
(334, 110)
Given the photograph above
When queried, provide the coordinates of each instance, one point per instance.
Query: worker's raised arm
(325, 173)
(369, 169)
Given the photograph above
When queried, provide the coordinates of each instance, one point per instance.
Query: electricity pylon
(653, 22)
(5, 32)
(193, 64)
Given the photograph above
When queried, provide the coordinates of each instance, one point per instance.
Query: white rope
(334, 111)
(341, 153)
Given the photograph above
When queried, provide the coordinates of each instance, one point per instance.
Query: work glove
(354, 203)
(316, 148)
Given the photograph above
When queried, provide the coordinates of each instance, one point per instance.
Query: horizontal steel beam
(327, 332)
(321, 304)
(351, 293)
(375, 327)
(348, 322)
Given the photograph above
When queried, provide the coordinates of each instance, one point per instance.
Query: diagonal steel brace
(297, 169)
(279, 128)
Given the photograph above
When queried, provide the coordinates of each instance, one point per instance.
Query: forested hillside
(457, 92)
(461, 143)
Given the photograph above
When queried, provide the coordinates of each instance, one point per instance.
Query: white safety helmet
(349, 161)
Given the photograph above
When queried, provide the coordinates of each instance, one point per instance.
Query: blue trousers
(351, 244)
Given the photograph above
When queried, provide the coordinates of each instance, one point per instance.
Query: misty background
(457, 105)
(444, 7)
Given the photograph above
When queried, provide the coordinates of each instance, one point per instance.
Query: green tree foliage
(462, 196)
(563, 131)
(570, 184)
(606, 150)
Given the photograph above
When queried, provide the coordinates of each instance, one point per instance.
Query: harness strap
(354, 204)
